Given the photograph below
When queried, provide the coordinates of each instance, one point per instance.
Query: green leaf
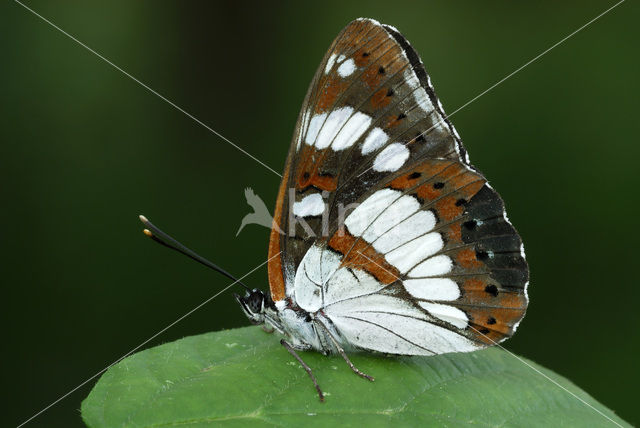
(243, 376)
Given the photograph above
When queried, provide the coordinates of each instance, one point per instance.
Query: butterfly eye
(254, 302)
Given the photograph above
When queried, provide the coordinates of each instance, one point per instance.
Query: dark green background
(84, 150)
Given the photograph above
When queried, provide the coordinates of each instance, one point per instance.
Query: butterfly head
(254, 304)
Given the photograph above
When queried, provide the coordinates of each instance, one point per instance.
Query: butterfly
(385, 238)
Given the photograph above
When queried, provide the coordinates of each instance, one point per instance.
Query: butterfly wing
(372, 134)
(450, 267)
(369, 91)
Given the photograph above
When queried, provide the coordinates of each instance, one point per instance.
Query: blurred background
(84, 150)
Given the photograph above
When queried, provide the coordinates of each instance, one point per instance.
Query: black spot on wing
(482, 255)
(491, 289)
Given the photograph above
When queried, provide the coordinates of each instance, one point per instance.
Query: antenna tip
(143, 219)
(148, 233)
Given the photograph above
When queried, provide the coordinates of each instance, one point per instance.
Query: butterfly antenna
(163, 239)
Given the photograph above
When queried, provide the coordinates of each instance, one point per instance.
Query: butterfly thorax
(300, 327)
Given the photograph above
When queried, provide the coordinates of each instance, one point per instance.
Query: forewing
(370, 110)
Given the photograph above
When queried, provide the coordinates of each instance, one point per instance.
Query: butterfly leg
(344, 354)
(266, 329)
(292, 351)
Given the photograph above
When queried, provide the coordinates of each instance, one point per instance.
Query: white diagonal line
(171, 103)
(146, 341)
(508, 76)
(381, 267)
(545, 376)
(541, 54)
